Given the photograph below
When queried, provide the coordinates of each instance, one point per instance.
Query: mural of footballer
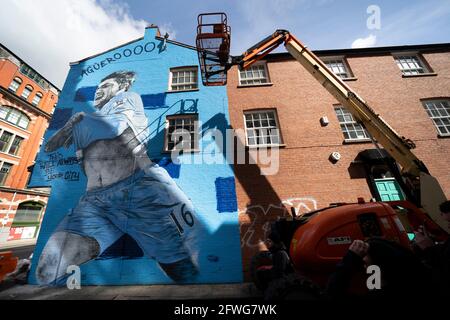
(126, 192)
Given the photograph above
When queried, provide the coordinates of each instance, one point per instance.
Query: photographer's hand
(423, 239)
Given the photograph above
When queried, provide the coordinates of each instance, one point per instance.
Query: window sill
(443, 136)
(346, 141)
(180, 91)
(429, 74)
(15, 126)
(268, 146)
(350, 79)
(269, 84)
(11, 155)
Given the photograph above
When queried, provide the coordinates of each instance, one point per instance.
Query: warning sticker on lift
(339, 241)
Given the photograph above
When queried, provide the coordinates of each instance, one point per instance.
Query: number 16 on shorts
(185, 218)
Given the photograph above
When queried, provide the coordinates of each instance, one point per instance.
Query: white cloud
(49, 34)
(168, 28)
(369, 41)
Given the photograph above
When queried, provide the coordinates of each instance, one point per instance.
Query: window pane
(26, 92)
(4, 171)
(338, 67)
(3, 112)
(37, 98)
(13, 116)
(439, 112)
(256, 74)
(262, 128)
(410, 65)
(14, 149)
(5, 138)
(351, 129)
(184, 79)
(182, 133)
(15, 84)
(23, 122)
(29, 212)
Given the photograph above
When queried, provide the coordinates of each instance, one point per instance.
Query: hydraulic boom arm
(426, 188)
(427, 192)
(398, 147)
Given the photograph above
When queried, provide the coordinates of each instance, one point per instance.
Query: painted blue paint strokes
(127, 260)
(150, 101)
(213, 258)
(154, 101)
(172, 168)
(226, 195)
(85, 94)
(60, 117)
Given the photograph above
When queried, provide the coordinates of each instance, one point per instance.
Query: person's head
(445, 210)
(112, 85)
(274, 240)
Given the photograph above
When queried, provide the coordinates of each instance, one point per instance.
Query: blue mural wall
(166, 222)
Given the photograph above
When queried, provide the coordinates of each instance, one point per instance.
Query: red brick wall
(305, 171)
(10, 202)
(19, 174)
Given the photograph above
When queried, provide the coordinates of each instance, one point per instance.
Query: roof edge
(23, 61)
(370, 50)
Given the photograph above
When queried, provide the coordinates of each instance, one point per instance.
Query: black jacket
(437, 258)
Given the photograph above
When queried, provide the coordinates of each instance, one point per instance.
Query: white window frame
(37, 99)
(13, 137)
(195, 84)
(261, 127)
(257, 64)
(341, 59)
(439, 115)
(350, 126)
(16, 81)
(194, 118)
(399, 56)
(22, 115)
(29, 89)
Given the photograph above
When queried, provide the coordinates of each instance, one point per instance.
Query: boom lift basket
(213, 47)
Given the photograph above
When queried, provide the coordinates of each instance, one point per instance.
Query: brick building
(160, 95)
(26, 102)
(409, 86)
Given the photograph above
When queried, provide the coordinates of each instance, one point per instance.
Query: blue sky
(322, 24)
(70, 30)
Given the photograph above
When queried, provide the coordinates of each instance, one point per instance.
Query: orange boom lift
(319, 239)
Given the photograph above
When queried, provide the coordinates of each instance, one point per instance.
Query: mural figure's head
(111, 85)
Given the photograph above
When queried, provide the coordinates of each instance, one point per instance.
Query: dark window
(14, 150)
(28, 213)
(4, 172)
(181, 133)
(5, 138)
(33, 75)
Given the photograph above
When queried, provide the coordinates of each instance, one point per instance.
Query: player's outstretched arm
(63, 137)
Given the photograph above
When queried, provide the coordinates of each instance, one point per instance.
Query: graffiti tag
(259, 228)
